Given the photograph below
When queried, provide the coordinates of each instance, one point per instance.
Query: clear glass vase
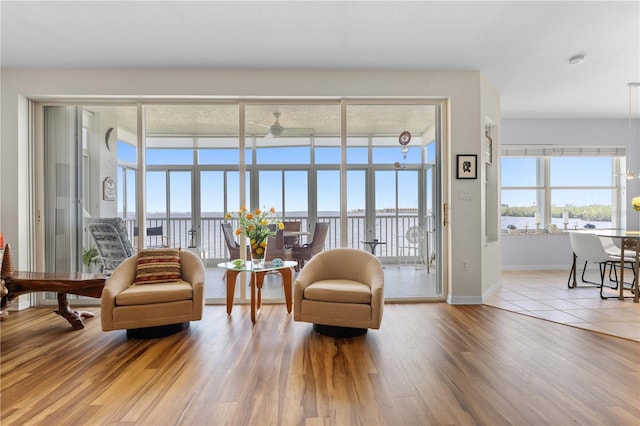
(258, 255)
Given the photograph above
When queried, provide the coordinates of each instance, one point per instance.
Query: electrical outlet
(465, 195)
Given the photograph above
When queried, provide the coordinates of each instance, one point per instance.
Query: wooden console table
(63, 283)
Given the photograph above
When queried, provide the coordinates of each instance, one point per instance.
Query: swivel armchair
(154, 293)
(340, 291)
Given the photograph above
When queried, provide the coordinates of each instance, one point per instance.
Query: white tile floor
(544, 294)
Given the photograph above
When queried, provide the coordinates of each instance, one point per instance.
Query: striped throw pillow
(158, 266)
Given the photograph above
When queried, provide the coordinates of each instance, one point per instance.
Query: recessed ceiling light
(575, 60)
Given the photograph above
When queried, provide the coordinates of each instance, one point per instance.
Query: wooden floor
(428, 364)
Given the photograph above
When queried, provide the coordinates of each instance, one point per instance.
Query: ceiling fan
(276, 129)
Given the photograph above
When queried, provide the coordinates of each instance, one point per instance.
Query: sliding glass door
(373, 184)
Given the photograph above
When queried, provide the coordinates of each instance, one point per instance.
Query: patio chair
(293, 240)
(112, 241)
(276, 248)
(303, 253)
(232, 245)
(155, 237)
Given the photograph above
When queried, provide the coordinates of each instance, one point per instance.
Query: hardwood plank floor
(428, 364)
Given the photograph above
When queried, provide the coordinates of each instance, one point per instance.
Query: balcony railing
(391, 230)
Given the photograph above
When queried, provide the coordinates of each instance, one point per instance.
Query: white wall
(536, 252)
(463, 89)
(492, 250)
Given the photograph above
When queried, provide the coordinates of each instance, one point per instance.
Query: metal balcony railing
(390, 229)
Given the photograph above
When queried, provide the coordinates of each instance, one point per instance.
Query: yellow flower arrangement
(255, 226)
(635, 203)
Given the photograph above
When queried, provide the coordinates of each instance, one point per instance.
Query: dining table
(296, 235)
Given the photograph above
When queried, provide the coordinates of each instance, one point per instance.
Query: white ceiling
(521, 47)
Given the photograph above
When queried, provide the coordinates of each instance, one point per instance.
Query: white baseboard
(487, 294)
(464, 300)
(567, 267)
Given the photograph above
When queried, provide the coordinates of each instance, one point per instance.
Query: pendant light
(633, 86)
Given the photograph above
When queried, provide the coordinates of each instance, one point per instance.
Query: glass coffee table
(257, 279)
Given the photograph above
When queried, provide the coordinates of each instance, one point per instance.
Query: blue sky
(212, 182)
(515, 172)
(565, 172)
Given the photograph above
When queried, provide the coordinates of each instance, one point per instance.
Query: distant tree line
(595, 212)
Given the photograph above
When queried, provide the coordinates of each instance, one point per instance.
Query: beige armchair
(340, 291)
(153, 309)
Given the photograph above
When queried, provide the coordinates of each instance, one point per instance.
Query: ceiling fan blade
(258, 124)
(300, 130)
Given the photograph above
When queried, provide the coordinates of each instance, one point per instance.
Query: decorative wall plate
(404, 138)
(108, 189)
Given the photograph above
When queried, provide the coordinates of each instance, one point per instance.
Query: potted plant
(90, 256)
(511, 228)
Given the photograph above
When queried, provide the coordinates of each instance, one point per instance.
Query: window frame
(543, 188)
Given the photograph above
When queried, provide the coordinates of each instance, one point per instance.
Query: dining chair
(612, 246)
(589, 248)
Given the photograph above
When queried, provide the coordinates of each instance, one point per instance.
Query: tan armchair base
(157, 331)
(338, 332)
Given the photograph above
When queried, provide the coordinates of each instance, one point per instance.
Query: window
(569, 186)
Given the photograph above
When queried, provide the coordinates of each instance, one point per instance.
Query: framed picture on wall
(109, 189)
(467, 166)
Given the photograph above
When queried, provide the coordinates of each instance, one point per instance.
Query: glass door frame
(142, 167)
